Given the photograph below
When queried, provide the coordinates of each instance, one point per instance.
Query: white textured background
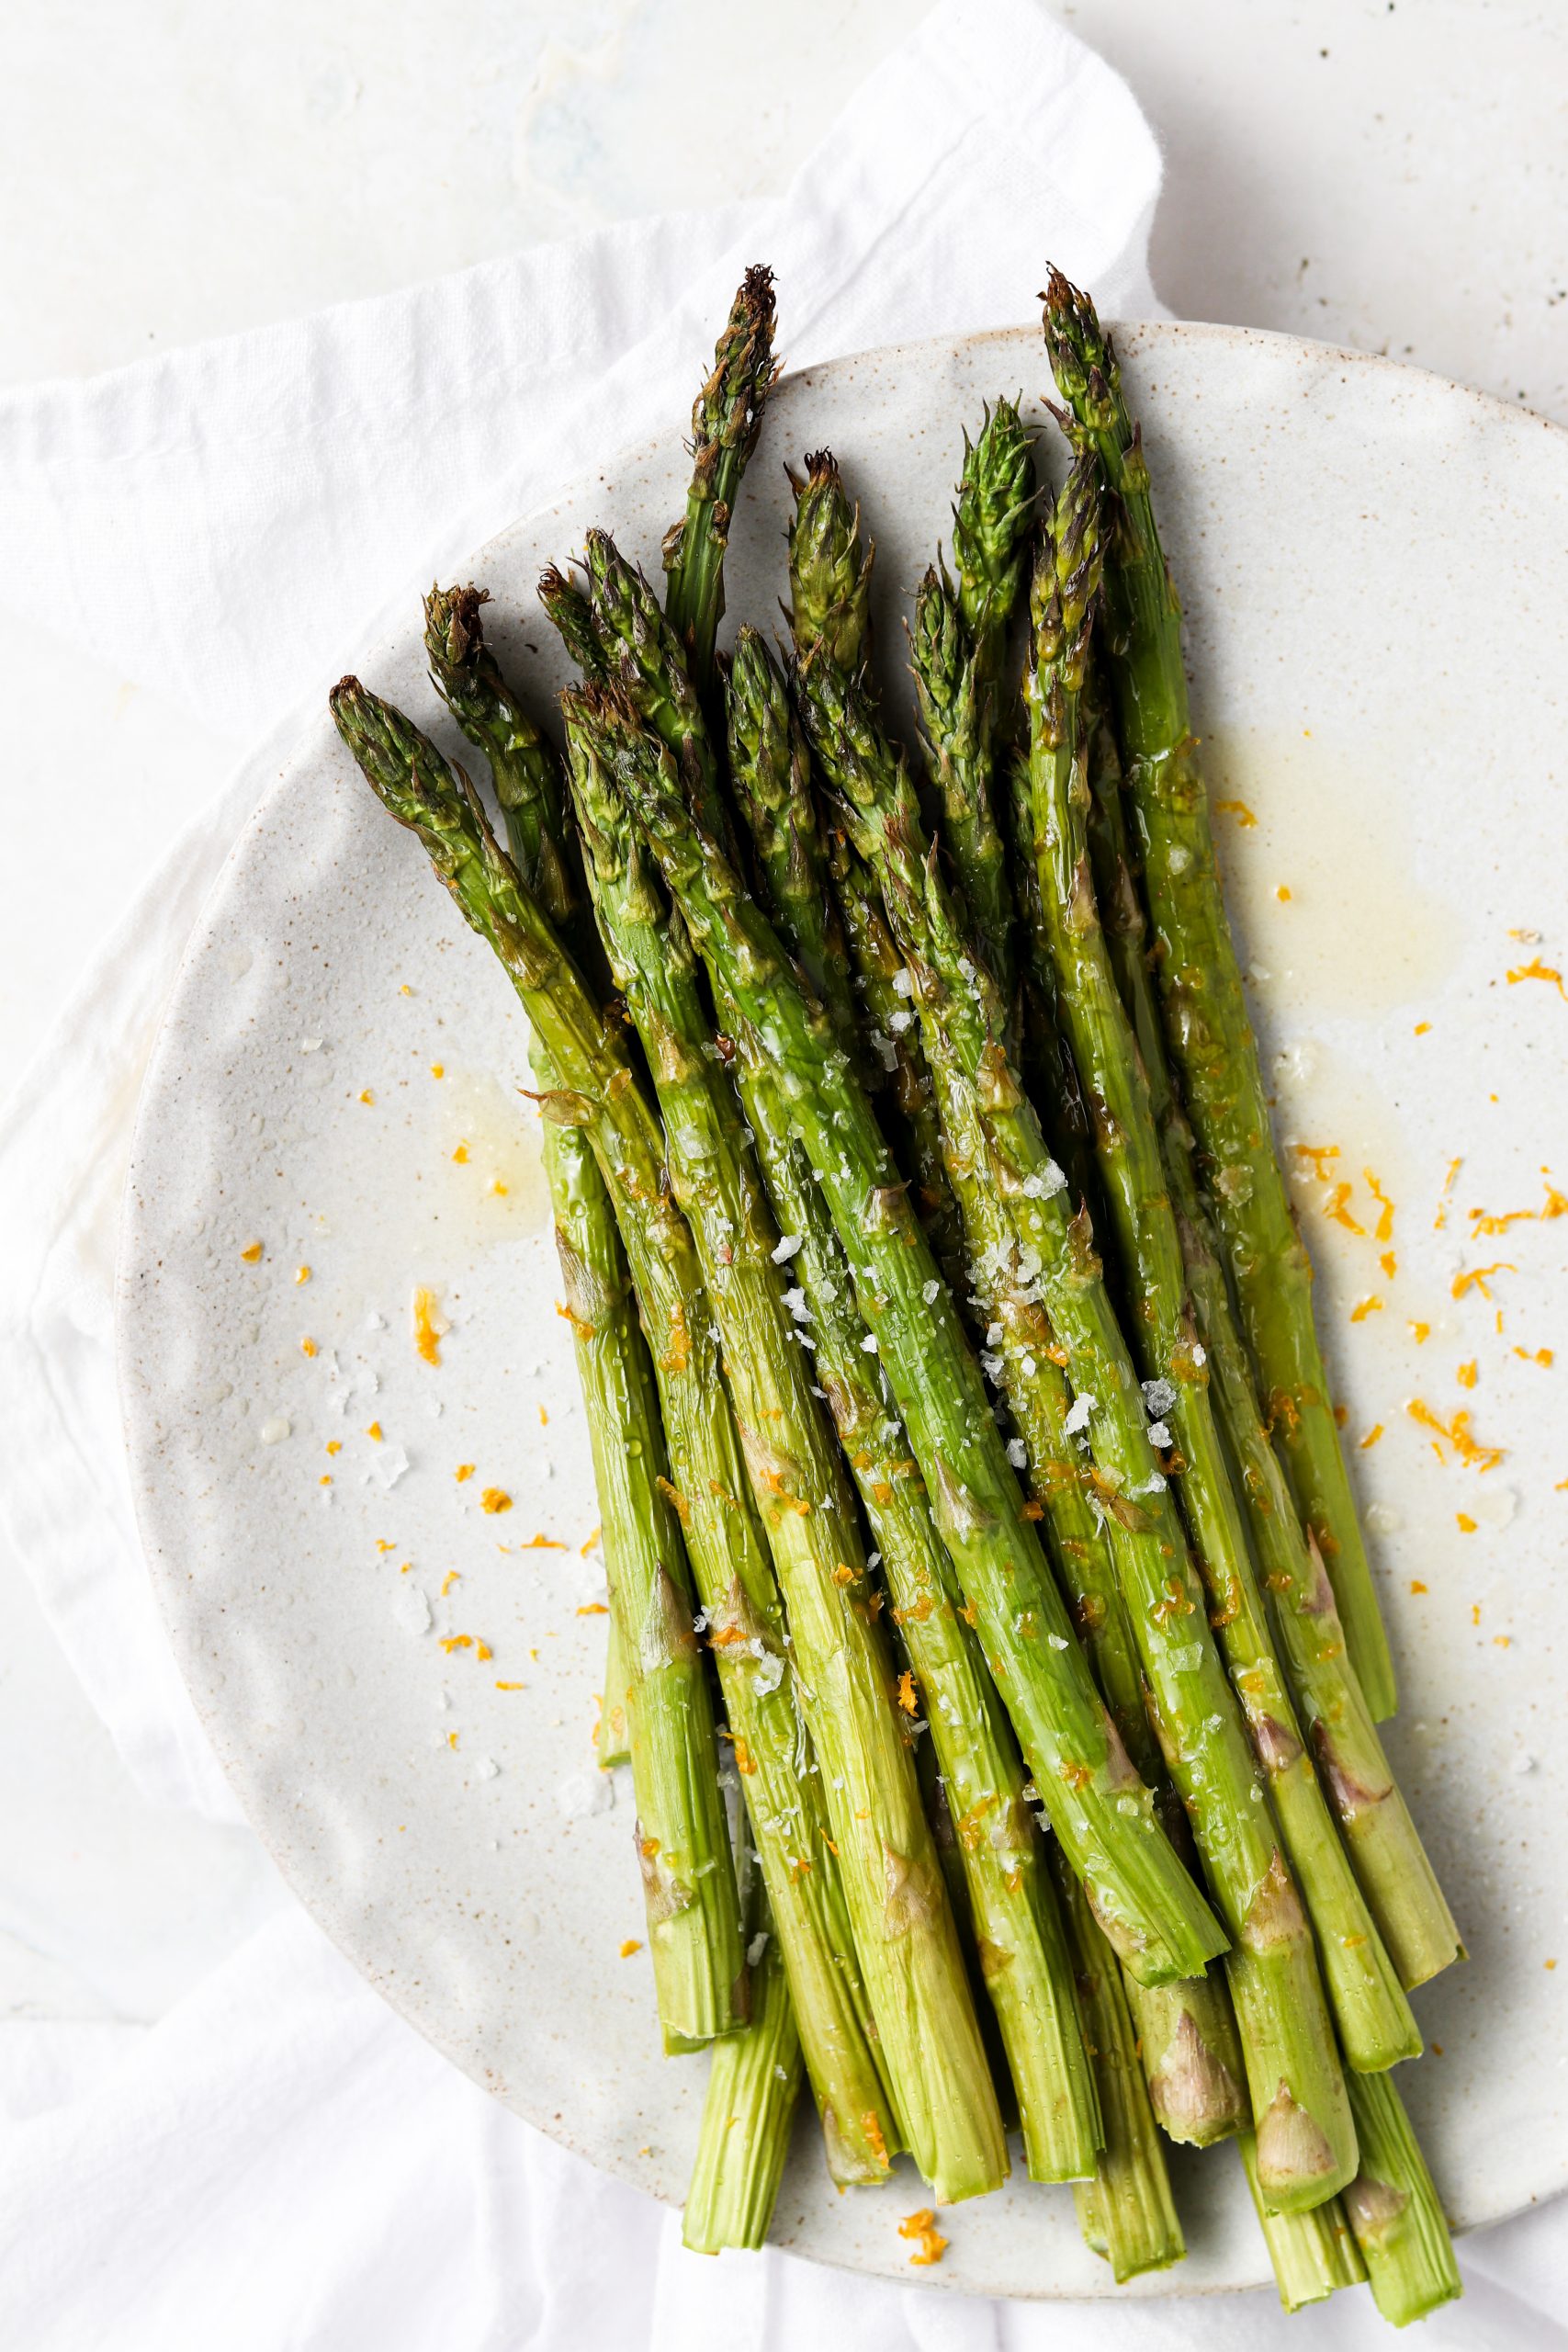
(1390, 174)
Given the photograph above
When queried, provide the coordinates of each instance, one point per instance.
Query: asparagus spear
(990, 531)
(749, 2106)
(725, 422)
(1104, 1817)
(1375, 2019)
(1126, 2213)
(1385, 1849)
(1306, 2144)
(709, 1487)
(1394, 2212)
(829, 568)
(1016, 1926)
(955, 720)
(1208, 1028)
(662, 1702)
(1313, 2254)
(904, 1930)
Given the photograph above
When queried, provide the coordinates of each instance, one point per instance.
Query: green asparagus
(1010, 1904)
(1313, 2254)
(1385, 1846)
(748, 2107)
(1126, 2213)
(709, 1488)
(1394, 2212)
(724, 425)
(904, 1932)
(1306, 2143)
(1103, 1815)
(1208, 1028)
(1376, 2027)
(829, 568)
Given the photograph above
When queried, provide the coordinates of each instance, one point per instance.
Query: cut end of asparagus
(1393, 2209)
(1313, 2254)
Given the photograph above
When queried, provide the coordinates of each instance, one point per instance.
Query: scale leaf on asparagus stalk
(1306, 2143)
(710, 1487)
(1208, 1028)
(1376, 2027)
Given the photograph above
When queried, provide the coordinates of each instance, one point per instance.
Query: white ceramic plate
(1375, 566)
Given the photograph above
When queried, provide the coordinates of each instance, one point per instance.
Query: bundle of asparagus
(895, 1177)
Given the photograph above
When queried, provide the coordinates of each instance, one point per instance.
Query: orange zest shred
(1383, 1230)
(540, 1542)
(464, 1470)
(1316, 1153)
(906, 1691)
(927, 2240)
(1421, 1028)
(1365, 1307)
(1337, 1212)
(307, 1347)
(1457, 1433)
(630, 1946)
(461, 1155)
(1416, 1585)
(1464, 1522)
(1536, 970)
(495, 1499)
(1371, 1437)
(511, 1686)
(334, 1445)
(1468, 1374)
(1479, 1276)
(585, 1549)
(428, 1326)
(451, 1577)
(1389, 1265)
(1545, 1356)
(593, 1607)
(744, 1759)
(457, 1642)
(375, 1431)
(1442, 1216)
(1420, 1333)
(251, 1253)
(437, 1070)
(1239, 810)
(302, 1274)
(366, 1094)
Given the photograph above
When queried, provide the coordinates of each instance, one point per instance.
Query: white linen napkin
(279, 2161)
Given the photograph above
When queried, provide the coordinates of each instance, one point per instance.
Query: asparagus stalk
(1306, 2143)
(725, 422)
(1126, 2213)
(709, 1487)
(1385, 1849)
(1313, 2254)
(1013, 1910)
(1393, 2209)
(662, 1704)
(747, 2109)
(1208, 1028)
(955, 720)
(904, 1932)
(1376, 2027)
(829, 568)
(1104, 1817)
